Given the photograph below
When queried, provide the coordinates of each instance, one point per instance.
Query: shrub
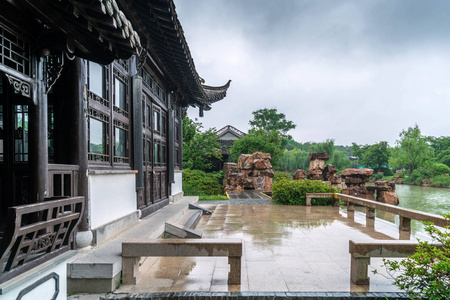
(196, 182)
(387, 172)
(441, 179)
(427, 272)
(429, 171)
(403, 174)
(281, 176)
(293, 192)
(439, 169)
(421, 173)
(378, 176)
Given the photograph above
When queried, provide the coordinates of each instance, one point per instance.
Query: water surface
(426, 199)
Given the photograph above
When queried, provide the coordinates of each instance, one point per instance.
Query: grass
(212, 197)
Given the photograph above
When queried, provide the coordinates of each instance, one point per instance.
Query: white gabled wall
(112, 196)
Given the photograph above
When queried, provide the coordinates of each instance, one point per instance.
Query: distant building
(227, 136)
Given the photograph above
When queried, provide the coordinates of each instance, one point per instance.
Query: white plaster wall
(43, 291)
(177, 187)
(112, 196)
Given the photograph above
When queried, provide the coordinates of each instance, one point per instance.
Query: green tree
(376, 156)
(258, 140)
(291, 144)
(338, 158)
(292, 160)
(270, 120)
(413, 150)
(444, 157)
(441, 146)
(199, 147)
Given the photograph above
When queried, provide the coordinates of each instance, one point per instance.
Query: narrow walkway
(246, 197)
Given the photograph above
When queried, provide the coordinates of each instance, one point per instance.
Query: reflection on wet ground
(286, 248)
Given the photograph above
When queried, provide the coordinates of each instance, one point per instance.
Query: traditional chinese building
(226, 137)
(91, 100)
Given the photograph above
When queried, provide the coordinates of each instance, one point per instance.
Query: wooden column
(171, 140)
(138, 142)
(38, 147)
(76, 91)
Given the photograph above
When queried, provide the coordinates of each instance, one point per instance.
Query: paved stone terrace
(286, 249)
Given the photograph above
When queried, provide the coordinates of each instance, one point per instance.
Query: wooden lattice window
(98, 136)
(14, 51)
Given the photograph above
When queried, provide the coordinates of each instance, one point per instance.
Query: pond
(426, 199)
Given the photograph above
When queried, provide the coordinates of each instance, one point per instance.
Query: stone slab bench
(361, 252)
(310, 196)
(133, 250)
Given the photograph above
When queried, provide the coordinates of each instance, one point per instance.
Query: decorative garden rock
(253, 171)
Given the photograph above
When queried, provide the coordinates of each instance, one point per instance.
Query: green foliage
(439, 169)
(412, 150)
(426, 273)
(212, 197)
(281, 176)
(377, 176)
(403, 174)
(258, 140)
(444, 157)
(441, 146)
(197, 182)
(441, 179)
(293, 192)
(295, 159)
(387, 172)
(419, 174)
(347, 149)
(270, 120)
(428, 171)
(374, 156)
(338, 158)
(199, 147)
(291, 144)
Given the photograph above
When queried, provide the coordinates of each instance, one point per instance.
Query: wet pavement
(246, 197)
(286, 248)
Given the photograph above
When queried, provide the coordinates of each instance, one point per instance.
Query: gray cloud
(355, 71)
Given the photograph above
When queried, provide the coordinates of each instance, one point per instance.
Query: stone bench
(362, 252)
(310, 196)
(133, 250)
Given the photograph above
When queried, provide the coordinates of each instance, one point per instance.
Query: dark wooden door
(14, 145)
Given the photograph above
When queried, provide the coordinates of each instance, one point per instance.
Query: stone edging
(256, 296)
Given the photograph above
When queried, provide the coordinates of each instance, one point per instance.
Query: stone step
(204, 210)
(98, 269)
(183, 228)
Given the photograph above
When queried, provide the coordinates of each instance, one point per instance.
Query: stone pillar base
(83, 238)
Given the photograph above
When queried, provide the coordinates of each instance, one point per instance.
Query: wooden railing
(36, 233)
(63, 180)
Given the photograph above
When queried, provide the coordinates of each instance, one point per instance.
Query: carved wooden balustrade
(36, 233)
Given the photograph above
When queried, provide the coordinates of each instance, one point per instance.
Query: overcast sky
(354, 71)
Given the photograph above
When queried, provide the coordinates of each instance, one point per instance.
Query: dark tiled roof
(167, 42)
